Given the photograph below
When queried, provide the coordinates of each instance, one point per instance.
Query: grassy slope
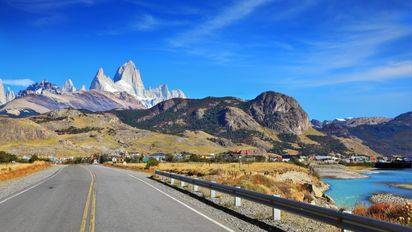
(132, 139)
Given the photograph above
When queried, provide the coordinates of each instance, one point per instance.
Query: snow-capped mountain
(128, 79)
(10, 95)
(40, 88)
(68, 87)
(2, 95)
(124, 91)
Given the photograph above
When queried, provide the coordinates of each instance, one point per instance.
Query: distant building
(286, 158)
(157, 156)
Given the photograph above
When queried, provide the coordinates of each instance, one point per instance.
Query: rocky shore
(388, 198)
(336, 171)
(404, 186)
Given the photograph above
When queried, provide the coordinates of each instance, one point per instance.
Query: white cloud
(378, 74)
(18, 82)
(226, 17)
(145, 23)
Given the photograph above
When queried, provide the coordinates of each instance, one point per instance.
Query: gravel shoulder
(12, 186)
(248, 217)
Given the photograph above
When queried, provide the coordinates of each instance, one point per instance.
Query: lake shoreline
(389, 198)
(348, 193)
(403, 186)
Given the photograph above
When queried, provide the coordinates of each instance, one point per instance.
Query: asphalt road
(95, 198)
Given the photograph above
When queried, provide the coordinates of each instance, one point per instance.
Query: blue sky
(337, 58)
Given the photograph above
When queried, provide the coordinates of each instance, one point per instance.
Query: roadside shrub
(6, 157)
(151, 163)
(400, 213)
(33, 158)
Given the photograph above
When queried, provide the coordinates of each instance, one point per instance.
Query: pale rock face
(130, 75)
(2, 95)
(68, 87)
(128, 79)
(102, 82)
(10, 95)
(83, 88)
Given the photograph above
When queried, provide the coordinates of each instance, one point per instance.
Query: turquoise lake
(348, 193)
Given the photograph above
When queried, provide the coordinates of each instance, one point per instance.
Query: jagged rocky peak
(102, 82)
(68, 87)
(127, 79)
(2, 95)
(129, 74)
(10, 95)
(40, 88)
(83, 88)
(279, 112)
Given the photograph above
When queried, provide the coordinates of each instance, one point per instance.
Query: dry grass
(401, 214)
(11, 171)
(267, 178)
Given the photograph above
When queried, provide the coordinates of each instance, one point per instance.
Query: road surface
(96, 198)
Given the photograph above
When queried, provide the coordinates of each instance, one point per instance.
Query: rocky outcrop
(40, 88)
(235, 119)
(68, 87)
(251, 122)
(279, 112)
(22, 130)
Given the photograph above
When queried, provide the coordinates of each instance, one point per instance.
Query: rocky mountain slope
(31, 104)
(383, 135)
(257, 122)
(128, 79)
(2, 94)
(68, 132)
(222, 116)
(272, 122)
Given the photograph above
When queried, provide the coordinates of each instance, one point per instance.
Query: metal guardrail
(333, 217)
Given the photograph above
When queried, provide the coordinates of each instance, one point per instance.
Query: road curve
(108, 199)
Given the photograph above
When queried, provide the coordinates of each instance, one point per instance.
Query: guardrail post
(350, 212)
(212, 192)
(237, 200)
(195, 188)
(163, 179)
(172, 181)
(182, 184)
(276, 212)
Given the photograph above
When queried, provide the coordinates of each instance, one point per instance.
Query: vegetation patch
(11, 171)
(395, 213)
(74, 130)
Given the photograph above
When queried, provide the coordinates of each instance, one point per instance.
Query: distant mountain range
(384, 135)
(272, 122)
(125, 91)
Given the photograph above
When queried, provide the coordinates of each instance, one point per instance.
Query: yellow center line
(93, 211)
(86, 207)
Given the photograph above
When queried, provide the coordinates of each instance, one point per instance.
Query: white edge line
(31, 187)
(184, 204)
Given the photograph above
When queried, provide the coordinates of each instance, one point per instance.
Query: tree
(151, 163)
(6, 157)
(33, 158)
